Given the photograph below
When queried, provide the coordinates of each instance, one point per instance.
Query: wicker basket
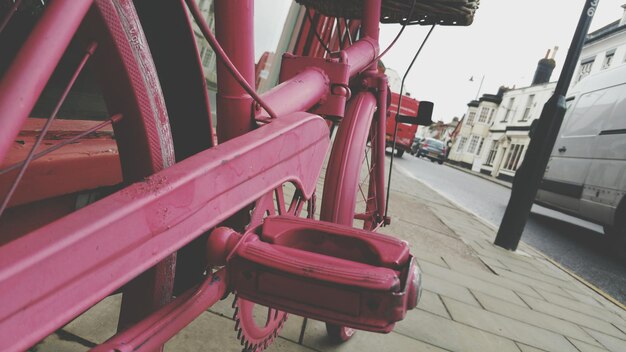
(426, 12)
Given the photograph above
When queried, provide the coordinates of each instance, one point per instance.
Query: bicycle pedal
(327, 272)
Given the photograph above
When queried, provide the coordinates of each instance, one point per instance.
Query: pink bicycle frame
(55, 273)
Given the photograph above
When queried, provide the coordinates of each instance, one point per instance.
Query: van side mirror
(423, 117)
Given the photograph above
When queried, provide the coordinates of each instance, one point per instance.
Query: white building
(470, 141)
(207, 56)
(604, 48)
(508, 139)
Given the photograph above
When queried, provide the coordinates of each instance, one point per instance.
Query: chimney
(623, 20)
(545, 67)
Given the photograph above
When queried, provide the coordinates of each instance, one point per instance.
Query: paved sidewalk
(477, 297)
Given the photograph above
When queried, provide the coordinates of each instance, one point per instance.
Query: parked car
(433, 149)
(586, 174)
(417, 142)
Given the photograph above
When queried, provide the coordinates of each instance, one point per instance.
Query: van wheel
(399, 153)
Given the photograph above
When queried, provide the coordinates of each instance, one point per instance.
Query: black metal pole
(529, 175)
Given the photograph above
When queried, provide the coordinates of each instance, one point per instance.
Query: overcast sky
(504, 43)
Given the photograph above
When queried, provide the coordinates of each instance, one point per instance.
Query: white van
(586, 174)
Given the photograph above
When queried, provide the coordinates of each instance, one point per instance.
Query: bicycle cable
(395, 132)
(314, 28)
(221, 54)
(393, 42)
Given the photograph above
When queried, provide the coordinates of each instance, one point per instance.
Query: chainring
(255, 337)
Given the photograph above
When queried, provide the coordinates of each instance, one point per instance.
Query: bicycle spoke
(90, 50)
(9, 14)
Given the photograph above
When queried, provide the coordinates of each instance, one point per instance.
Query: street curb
(495, 228)
(485, 177)
(583, 281)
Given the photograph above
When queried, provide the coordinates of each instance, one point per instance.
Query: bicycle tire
(344, 179)
(130, 87)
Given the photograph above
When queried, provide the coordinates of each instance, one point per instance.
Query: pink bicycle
(153, 208)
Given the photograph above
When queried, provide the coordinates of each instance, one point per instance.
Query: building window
(480, 146)
(513, 157)
(492, 153)
(509, 110)
(608, 58)
(470, 118)
(461, 145)
(585, 69)
(529, 105)
(491, 116)
(483, 115)
(471, 148)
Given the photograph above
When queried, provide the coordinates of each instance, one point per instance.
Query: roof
(493, 98)
(608, 30)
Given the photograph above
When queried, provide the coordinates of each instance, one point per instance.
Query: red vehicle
(406, 132)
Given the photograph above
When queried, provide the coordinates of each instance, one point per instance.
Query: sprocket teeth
(246, 327)
(236, 313)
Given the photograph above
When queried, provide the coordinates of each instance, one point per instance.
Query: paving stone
(505, 258)
(422, 239)
(549, 268)
(431, 302)
(317, 339)
(472, 283)
(585, 347)
(450, 335)
(98, 323)
(448, 289)
(537, 274)
(210, 332)
(612, 343)
(57, 343)
(514, 259)
(539, 285)
(493, 262)
(573, 316)
(586, 299)
(418, 215)
(526, 348)
(494, 279)
(425, 255)
(534, 318)
(507, 327)
(593, 311)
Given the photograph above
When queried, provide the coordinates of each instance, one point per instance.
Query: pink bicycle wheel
(119, 75)
(349, 187)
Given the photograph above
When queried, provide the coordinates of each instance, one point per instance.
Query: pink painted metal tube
(234, 30)
(163, 324)
(27, 76)
(360, 54)
(40, 279)
(380, 144)
(299, 93)
(370, 24)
